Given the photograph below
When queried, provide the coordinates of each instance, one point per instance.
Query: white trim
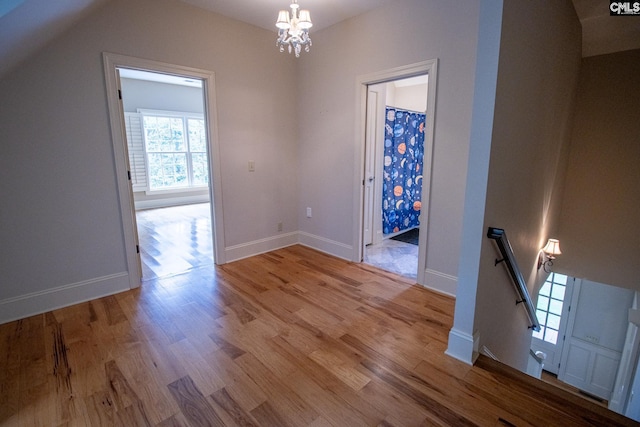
(325, 245)
(171, 201)
(485, 350)
(62, 296)
(249, 249)
(441, 282)
(121, 157)
(319, 243)
(116, 115)
(430, 68)
(169, 113)
(463, 346)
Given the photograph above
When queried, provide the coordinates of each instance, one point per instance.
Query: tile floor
(392, 255)
(177, 239)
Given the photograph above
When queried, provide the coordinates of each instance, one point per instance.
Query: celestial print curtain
(402, 175)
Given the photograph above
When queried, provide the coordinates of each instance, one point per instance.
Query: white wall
(61, 230)
(160, 96)
(599, 229)
(413, 98)
(328, 92)
(530, 134)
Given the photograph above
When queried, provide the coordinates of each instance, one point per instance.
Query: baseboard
(62, 296)
(441, 282)
(246, 250)
(325, 245)
(170, 201)
(462, 346)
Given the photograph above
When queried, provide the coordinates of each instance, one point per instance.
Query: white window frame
(184, 116)
(552, 282)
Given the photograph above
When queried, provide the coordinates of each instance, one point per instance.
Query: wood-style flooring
(174, 239)
(293, 337)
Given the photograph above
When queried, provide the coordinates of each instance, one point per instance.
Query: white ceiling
(28, 25)
(263, 13)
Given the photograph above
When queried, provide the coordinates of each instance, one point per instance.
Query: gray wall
(61, 230)
(600, 228)
(328, 145)
(528, 142)
(160, 96)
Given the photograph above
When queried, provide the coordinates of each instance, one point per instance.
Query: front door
(552, 311)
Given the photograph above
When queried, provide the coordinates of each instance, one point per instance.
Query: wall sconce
(550, 250)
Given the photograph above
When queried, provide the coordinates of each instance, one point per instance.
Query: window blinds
(135, 144)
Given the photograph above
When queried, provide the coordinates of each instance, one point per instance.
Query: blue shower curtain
(402, 177)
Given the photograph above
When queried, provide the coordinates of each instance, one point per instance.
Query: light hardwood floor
(288, 338)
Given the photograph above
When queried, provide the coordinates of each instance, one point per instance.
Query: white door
(595, 337)
(134, 220)
(370, 162)
(633, 405)
(552, 310)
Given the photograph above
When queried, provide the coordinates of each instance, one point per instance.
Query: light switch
(252, 166)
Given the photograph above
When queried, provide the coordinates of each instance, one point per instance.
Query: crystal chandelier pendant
(293, 30)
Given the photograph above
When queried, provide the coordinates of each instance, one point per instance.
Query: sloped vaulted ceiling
(28, 25)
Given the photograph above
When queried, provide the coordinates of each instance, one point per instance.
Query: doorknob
(371, 178)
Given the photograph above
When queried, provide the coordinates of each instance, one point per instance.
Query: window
(175, 147)
(549, 308)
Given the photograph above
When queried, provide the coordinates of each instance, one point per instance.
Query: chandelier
(293, 30)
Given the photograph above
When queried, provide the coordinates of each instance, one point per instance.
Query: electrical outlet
(308, 212)
(279, 226)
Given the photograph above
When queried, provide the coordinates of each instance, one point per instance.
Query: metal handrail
(500, 236)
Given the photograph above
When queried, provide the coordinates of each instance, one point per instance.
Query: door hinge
(129, 175)
(119, 94)
(137, 249)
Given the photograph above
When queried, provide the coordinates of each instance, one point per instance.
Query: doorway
(394, 172)
(383, 238)
(179, 173)
(168, 158)
(552, 309)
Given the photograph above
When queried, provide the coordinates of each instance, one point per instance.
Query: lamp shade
(283, 20)
(552, 247)
(304, 20)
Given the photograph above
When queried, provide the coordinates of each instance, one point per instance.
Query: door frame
(374, 151)
(429, 67)
(540, 344)
(112, 62)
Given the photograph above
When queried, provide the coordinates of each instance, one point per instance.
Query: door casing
(111, 64)
(429, 67)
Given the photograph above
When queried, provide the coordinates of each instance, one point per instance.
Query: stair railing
(500, 236)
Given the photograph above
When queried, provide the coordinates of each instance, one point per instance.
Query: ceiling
(28, 25)
(263, 13)
(602, 33)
